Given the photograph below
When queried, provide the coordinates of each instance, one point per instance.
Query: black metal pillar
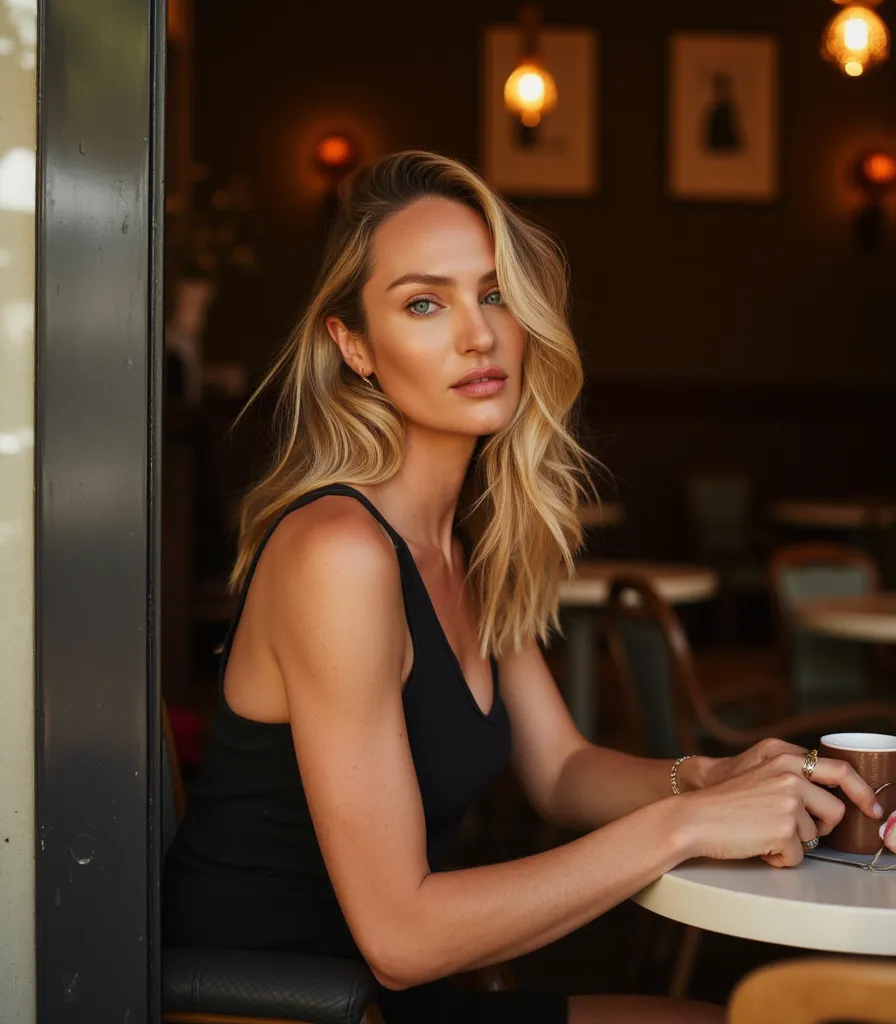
(101, 65)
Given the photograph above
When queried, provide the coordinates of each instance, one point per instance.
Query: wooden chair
(675, 716)
(811, 991)
(652, 655)
(224, 986)
(823, 671)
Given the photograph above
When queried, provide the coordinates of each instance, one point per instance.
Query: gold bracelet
(673, 775)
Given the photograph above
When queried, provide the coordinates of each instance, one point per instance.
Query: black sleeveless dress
(245, 870)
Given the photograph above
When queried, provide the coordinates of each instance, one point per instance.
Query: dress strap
(305, 499)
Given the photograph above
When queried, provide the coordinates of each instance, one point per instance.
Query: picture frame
(722, 118)
(558, 158)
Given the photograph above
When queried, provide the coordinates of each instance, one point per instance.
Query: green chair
(724, 535)
(825, 672)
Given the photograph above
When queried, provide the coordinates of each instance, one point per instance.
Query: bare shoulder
(332, 533)
(330, 574)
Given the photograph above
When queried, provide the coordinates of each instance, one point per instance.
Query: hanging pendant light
(530, 91)
(856, 38)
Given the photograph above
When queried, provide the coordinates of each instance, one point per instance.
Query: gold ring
(811, 844)
(809, 763)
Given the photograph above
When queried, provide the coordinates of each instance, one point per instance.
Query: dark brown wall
(726, 338)
(662, 291)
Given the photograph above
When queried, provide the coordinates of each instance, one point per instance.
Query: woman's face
(434, 314)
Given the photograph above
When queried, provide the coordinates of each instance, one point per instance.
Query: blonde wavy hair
(520, 498)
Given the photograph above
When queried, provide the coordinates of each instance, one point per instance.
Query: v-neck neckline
(487, 715)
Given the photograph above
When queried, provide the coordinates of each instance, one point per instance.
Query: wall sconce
(530, 92)
(874, 174)
(334, 156)
(856, 39)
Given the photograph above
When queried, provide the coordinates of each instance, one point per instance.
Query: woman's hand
(769, 810)
(720, 769)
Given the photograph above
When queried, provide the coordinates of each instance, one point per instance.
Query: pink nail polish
(887, 825)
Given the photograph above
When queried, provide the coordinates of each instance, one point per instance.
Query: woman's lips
(481, 388)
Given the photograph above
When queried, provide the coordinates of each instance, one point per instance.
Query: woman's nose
(477, 333)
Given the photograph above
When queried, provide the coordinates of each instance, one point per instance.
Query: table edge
(831, 515)
(868, 627)
(581, 592)
(819, 925)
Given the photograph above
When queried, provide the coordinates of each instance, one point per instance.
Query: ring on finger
(810, 844)
(809, 763)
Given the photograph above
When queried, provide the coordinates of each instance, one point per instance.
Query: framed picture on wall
(722, 118)
(559, 156)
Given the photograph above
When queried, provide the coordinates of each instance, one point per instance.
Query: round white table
(817, 905)
(834, 515)
(582, 596)
(869, 617)
(677, 584)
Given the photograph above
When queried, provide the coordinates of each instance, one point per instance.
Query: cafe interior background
(722, 178)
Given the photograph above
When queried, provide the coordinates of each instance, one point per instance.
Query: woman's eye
(421, 307)
(494, 299)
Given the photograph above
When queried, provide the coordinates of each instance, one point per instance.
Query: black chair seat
(288, 986)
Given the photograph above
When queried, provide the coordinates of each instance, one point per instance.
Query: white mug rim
(853, 742)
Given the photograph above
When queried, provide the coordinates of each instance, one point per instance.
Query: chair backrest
(641, 655)
(174, 801)
(802, 571)
(719, 508)
(811, 991)
(824, 671)
(652, 655)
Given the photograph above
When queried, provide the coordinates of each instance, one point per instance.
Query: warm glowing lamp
(335, 155)
(530, 92)
(856, 39)
(874, 173)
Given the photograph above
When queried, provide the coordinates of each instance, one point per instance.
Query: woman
(374, 682)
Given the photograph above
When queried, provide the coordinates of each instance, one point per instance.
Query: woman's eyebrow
(436, 280)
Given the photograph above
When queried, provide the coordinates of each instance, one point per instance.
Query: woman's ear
(352, 347)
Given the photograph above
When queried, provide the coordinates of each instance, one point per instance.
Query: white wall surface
(18, 133)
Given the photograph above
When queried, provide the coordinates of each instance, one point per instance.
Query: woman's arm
(568, 780)
(574, 783)
(332, 607)
(598, 785)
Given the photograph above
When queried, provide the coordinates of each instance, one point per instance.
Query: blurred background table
(817, 905)
(870, 617)
(581, 597)
(834, 515)
(607, 513)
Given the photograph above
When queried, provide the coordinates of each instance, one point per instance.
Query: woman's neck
(420, 501)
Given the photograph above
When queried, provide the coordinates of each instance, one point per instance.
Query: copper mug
(874, 758)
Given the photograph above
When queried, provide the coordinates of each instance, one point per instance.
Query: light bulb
(878, 169)
(530, 89)
(855, 34)
(855, 39)
(530, 92)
